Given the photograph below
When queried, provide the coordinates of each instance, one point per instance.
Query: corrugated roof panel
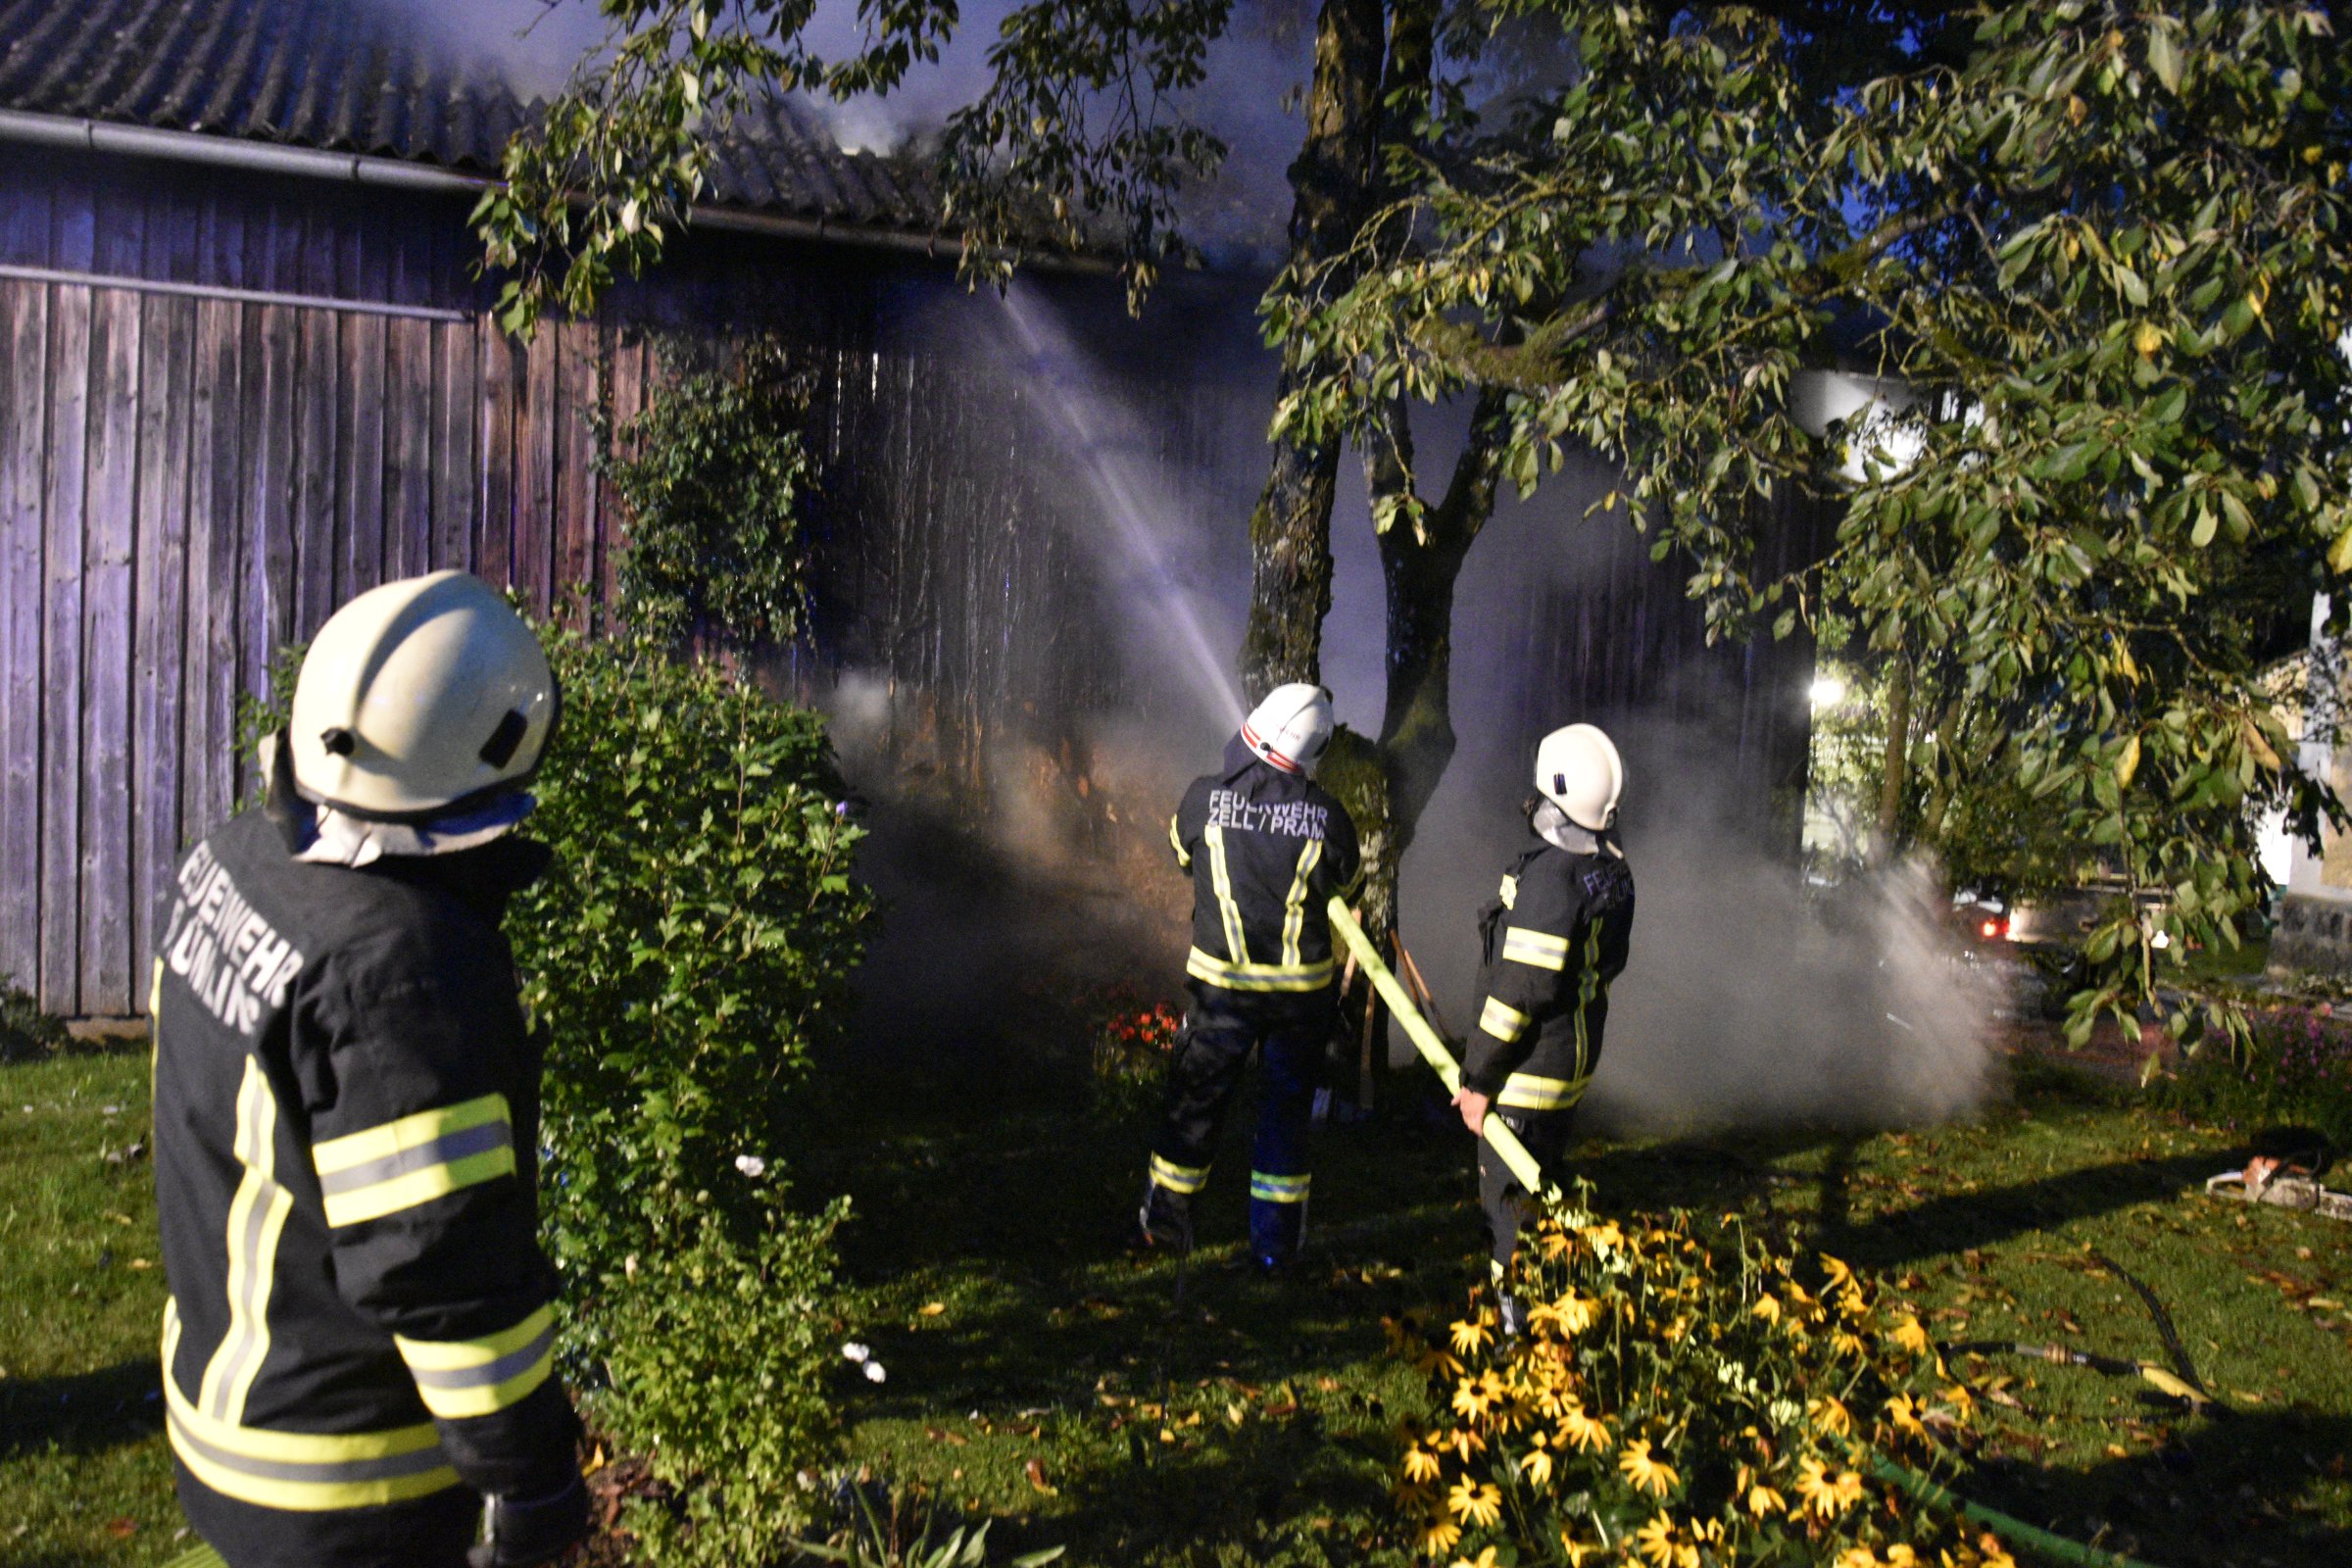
(354, 77)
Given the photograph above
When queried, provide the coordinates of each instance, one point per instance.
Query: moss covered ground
(1036, 1373)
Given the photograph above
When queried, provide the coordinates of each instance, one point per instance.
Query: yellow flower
(1995, 1555)
(1826, 1497)
(1963, 1403)
(1763, 1501)
(1571, 1314)
(1838, 1270)
(1767, 1307)
(1858, 1557)
(1485, 1559)
(1536, 1466)
(1899, 1555)
(1604, 1236)
(1910, 1336)
(1586, 1432)
(1439, 1536)
(1650, 1475)
(1575, 1550)
(1474, 1502)
(1830, 1415)
(1469, 1334)
(1843, 1343)
(1421, 1465)
(1904, 1413)
(1656, 1541)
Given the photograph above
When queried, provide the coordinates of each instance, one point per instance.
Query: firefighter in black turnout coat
(1554, 937)
(1266, 847)
(357, 1345)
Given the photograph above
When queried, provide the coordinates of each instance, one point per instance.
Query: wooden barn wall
(188, 485)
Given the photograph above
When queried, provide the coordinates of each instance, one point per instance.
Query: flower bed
(1679, 1400)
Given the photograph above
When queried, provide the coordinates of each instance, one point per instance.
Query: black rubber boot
(1165, 1221)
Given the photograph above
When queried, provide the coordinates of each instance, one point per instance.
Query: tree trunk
(1290, 532)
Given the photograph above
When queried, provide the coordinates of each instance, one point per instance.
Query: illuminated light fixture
(1827, 691)
(1994, 930)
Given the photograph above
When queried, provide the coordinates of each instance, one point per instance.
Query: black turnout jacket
(1267, 849)
(1556, 935)
(346, 1106)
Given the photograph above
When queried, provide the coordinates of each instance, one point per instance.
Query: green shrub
(692, 943)
(2298, 1072)
(713, 476)
(26, 1033)
(716, 1352)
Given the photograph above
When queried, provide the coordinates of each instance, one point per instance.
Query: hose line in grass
(1529, 1175)
(2016, 1531)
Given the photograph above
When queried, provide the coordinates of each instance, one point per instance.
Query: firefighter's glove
(520, 1531)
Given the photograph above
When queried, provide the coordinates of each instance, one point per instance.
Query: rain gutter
(393, 173)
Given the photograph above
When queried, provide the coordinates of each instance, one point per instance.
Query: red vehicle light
(1994, 930)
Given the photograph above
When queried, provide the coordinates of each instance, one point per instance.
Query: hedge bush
(1677, 1403)
(692, 945)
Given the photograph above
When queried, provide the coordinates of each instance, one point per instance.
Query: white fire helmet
(1290, 727)
(1578, 769)
(417, 696)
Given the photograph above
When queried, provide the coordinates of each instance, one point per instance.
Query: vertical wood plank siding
(188, 485)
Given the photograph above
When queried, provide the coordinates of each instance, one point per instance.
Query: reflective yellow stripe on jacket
(1293, 906)
(1229, 912)
(257, 1221)
(416, 1159)
(1537, 950)
(305, 1472)
(1503, 1021)
(1260, 976)
(461, 1378)
(1526, 1091)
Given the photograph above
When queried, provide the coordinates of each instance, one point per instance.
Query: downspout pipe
(394, 174)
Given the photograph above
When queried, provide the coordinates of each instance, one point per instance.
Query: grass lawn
(1037, 1373)
(82, 1294)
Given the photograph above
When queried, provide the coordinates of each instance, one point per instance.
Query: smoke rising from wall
(1743, 1004)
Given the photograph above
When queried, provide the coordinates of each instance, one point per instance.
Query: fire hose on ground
(1529, 1175)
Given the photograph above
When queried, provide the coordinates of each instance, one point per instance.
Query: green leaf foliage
(692, 945)
(2104, 248)
(26, 1033)
(714, 477)
(1080, 142)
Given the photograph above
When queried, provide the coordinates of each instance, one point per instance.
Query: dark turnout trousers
(1223, 1029)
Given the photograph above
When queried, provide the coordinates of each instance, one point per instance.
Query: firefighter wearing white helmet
(1266, 847)
(358, 1344)
(1554, 937)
